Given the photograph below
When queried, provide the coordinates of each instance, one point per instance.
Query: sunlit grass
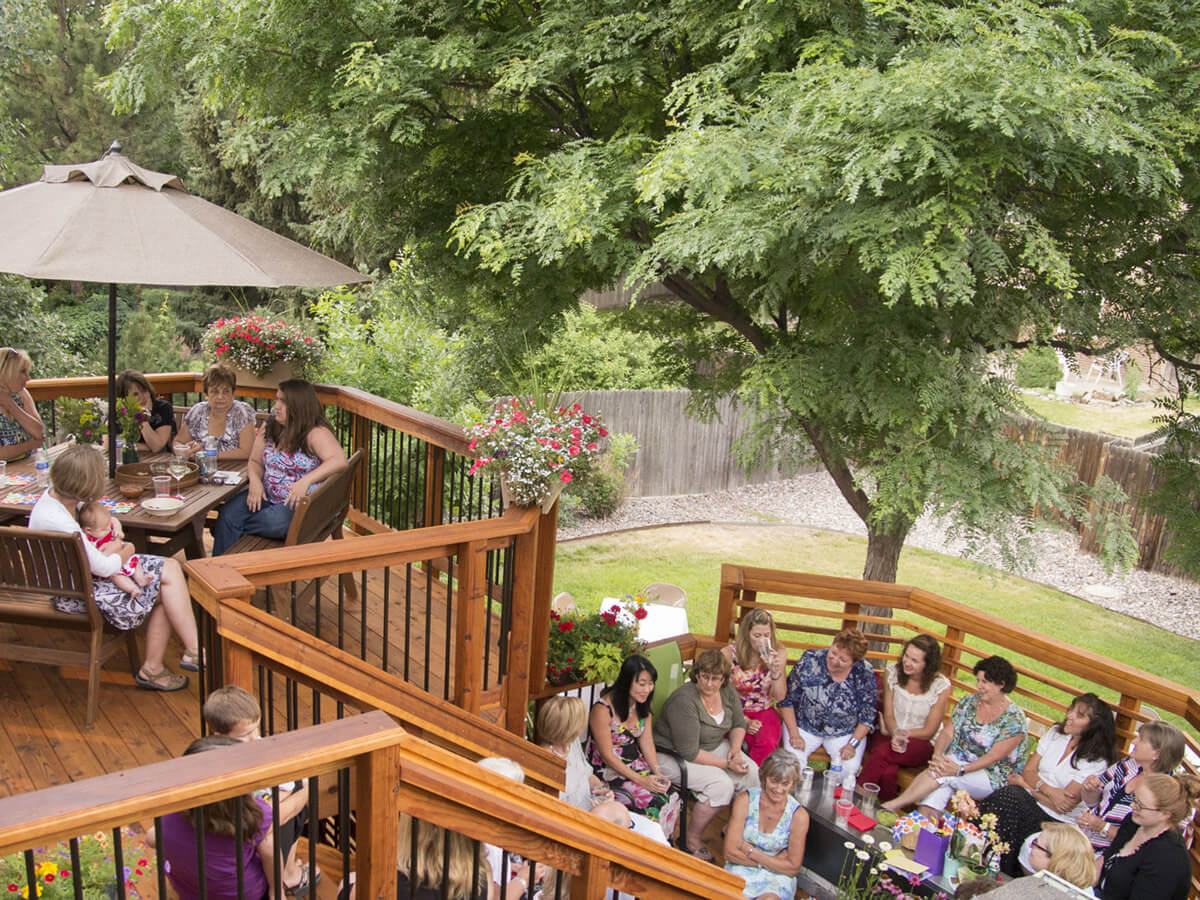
(1124, 421)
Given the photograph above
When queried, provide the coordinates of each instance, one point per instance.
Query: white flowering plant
(535, 447)
(865, 877)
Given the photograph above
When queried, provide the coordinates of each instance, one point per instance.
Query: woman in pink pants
(758, 661)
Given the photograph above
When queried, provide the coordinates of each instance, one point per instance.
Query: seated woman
(220, 416)
(764, 841)
(561, 722)
(980, 747)
(293, 452)
(1051, 784)
(177, 837)
(1158, 748)
(621, 746)
(702, 722)
(76, 477)
(915, 698)
(458, 862)
(1148, 857)
(159, 429)
(758, 664)
(830, 701)
(21, 428)
(1063, 850)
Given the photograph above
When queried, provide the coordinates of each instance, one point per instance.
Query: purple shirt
(281, 470)
(178, 841)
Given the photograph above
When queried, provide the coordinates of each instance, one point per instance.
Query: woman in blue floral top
(21, 428)
(983, 744)
(830, 701)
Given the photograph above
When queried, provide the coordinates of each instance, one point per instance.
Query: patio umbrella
(114, 221)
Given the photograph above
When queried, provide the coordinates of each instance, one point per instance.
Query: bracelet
(962, 769)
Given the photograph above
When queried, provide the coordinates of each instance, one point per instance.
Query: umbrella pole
(112, 379)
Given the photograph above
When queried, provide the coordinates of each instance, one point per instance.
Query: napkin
(24, 499)
(117, 507)
(861, 821)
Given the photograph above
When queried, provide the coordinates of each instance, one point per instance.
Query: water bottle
(41, 464)
(833, 777)
(849, 782)
(208, 458)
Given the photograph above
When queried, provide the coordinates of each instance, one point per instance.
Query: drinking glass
(844, 808)
(162, 485)
(870, 798)
(900, 742)
(179, 462)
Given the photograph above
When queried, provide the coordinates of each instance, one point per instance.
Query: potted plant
(82, 418)
(267, 351)
(536, 448)
(130, 417)
(55, 877)
(592, 646)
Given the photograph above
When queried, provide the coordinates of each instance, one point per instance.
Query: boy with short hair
(234, 712)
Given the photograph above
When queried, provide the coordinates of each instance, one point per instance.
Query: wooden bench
(319, 515)
(36, 567)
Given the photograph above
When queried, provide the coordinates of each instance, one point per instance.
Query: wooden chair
(319, 515)
(36, 567)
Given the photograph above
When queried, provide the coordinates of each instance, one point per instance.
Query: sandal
(702, 853)
(160, 681)
(190, 661)
(306, 883)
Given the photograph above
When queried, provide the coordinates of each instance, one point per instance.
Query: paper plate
(162, 506)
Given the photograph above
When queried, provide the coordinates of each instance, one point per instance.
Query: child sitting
(233, 712)
(97, 525)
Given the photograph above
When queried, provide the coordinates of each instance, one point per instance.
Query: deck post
(471, 624)
(360, 439)
(378, 826)
(435, 469)
(238, 666)
(518, 678)
(543, 585)
(592, 882)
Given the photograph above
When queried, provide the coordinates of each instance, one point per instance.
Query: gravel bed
(814, 501)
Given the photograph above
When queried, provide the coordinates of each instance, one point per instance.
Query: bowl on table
(132, 491)
(162, 506)
(140, 473)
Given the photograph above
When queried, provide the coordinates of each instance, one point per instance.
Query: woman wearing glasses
(703, 724)
(1063, 850)
(1148, 857)
(21, 428)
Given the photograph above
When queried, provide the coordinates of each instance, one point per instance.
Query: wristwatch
(962, 768)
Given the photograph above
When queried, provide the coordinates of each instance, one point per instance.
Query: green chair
(668, 662)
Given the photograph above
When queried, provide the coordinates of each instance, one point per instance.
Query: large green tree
(860, 207)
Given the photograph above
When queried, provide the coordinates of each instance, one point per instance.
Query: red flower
(591, 446)
(587, 420)
(640, 613)
(143, 862)
(12, 888)
(555, 445)
(49, 878)
(553, 614)
(566, 626)
(574, 451)
(602, 432)
(471, 446)
(566, 477)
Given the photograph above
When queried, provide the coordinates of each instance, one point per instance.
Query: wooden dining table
(164, 535)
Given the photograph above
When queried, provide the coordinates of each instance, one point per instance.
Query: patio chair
(668, 662)
(36, 567)
(319, 515)
(563, 603)
(666, 594)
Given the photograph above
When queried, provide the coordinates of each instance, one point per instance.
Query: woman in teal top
(764, 842)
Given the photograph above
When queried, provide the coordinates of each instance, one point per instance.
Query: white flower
(885, 846)
(867, 839)
(849, 845)
(875, 870)
(862, 854)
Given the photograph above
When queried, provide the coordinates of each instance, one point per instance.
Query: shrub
(1038, 368)
(601, 490)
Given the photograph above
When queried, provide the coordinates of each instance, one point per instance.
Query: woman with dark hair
(293, 452)
(702, 723)
(222, 855)
(621, 745)
(159, 429)
(915, 698)
(1051, 784)
(220, 416)
(980, 747)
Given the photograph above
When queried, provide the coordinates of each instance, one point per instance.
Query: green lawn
(691, 556)
(1125, 421)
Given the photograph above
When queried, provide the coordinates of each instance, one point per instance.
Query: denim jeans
(235, 519)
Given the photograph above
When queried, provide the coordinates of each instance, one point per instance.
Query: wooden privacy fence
(809, 609)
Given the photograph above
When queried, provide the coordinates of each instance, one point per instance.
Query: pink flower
(602, 432)
(587, 420)
(591, 446)
(574, 451)
(566, 477)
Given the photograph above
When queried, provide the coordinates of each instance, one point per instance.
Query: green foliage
(1177, 494)
(1132, 381)
(1038, 368)
(591, 646)
(601, 489)
(31, 326)
(150, 341)
(593, 350)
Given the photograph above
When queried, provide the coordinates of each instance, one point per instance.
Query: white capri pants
(833, 746)
(974, 783)
(714, 786)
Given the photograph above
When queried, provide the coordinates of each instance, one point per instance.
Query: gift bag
(931, 850)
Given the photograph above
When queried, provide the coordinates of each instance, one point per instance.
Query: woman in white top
(915, 698)
(76, 477)
(1051, 784)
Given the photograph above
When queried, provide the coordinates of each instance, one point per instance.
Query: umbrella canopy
(114, 221)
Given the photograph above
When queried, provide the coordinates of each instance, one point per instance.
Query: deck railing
(394, 771)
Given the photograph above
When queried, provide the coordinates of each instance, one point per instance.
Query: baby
(96, 522)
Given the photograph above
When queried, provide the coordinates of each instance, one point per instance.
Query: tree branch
(717, 303)
(837, 467)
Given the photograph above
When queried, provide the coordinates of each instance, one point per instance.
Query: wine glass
(179, 463)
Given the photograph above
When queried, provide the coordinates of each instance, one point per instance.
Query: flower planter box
(279, 373)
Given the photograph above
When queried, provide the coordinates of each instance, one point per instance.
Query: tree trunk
(883, 554)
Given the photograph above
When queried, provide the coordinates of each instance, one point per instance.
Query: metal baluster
(77, 877)
(160, 861)
(119, 863)
(428, 614)
(30, 872)
(387, 608)
(201, 875)
(449, 624)
(277, 865)
(344, 816)
(239, 838)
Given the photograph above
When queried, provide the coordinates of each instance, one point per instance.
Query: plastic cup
(806, 778)
(900, 743)
(162, 485)
(844, 808)
(870, 798)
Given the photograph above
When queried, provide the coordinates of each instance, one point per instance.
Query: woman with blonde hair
(21, 428)
(440, 855)
(1148, 857)
(220, 416)
(77, 477)
(1062, 849)
(758, 661)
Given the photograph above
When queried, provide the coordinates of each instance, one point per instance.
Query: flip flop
(306, 883)
(160, 681)
(703, 853)
(190, 661)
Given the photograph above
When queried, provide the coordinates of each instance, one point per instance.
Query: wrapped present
(908, 827)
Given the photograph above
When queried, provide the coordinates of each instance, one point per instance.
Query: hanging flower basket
(257, 345)
(535, 449)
